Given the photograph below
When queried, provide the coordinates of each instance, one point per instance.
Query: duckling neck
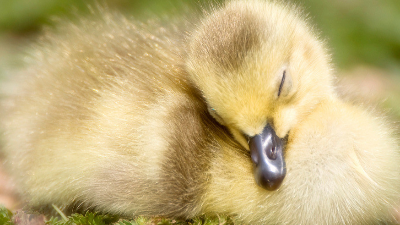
(230, 165)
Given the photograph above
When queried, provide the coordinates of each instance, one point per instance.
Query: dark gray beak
(266, 151)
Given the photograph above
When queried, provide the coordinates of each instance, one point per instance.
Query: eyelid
(282, 81)
(214, 114)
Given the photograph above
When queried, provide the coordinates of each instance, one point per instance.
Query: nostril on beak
(272, 153)
(266, 151)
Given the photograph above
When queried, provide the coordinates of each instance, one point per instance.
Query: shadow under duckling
(137, 119)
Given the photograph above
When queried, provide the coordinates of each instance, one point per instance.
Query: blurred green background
(358, 31)
(363, 35)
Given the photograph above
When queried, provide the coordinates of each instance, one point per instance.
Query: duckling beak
(266, 151)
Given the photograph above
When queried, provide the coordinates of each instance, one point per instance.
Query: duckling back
(104, 117)
(110, 115)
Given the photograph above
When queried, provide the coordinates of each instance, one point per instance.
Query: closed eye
(214, 114)
(282, 81)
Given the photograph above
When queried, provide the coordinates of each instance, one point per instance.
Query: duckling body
(339, 172)
(130, 119)
(103, 113)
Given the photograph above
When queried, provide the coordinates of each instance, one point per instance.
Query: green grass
(357, 31)
(90, 218)
(5, 216)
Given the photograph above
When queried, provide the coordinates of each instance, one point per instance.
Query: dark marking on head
(228, 37)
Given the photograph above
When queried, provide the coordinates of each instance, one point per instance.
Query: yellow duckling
(242, 120)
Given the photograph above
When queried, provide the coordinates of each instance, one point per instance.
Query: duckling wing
(104, 116)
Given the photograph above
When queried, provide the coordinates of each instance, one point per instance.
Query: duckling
(239, 118)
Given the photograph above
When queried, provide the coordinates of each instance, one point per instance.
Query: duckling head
(261, 70)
